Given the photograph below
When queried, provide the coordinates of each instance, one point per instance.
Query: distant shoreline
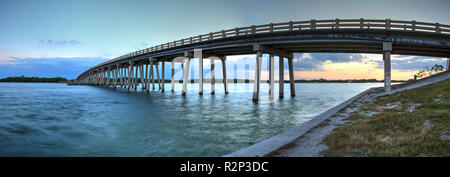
(35, 79)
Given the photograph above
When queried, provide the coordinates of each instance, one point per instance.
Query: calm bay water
(49, 119)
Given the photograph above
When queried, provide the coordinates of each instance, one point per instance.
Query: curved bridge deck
(281, 39)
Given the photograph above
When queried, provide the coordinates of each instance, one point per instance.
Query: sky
(48, 38)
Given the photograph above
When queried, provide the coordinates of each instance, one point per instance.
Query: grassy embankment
(409, 123)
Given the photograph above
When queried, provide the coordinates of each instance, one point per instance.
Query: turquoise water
(49, 119)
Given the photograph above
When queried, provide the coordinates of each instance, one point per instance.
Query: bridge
(377, 36)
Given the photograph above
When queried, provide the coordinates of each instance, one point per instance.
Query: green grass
(404, 127)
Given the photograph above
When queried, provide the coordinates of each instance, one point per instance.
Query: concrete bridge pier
(136, 76)
(213, 77)
(101, 77)
(185, 75)
(145, 70)
(173, 76)
(162, 76)
(200, 75)
(257, 76)
(224, 73)
(133, 76)
(141, 75)
(130, 75)
(271, 75)
(281, 77)
(152, 74)
(387, 48)
(124, 72)
(116, 71)
(106, 77)
(291, 76)
(149, 76)
(157, 74)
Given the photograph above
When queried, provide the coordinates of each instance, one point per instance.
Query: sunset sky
(50, 38)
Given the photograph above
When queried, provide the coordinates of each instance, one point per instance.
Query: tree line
(34, 79)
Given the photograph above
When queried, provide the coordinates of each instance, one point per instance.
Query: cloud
(59, 42)
(261, 15)
(48, 67)
(315, 61)
(413, 63)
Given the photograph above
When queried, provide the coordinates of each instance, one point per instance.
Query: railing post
(200, 38)
(313, 24)
(291, 26)
(223, 34)
(236, 31)
(438, 30)
(388, 24)
(361, 23)
(337, 23)
(253, 30)
(271, 27)
(210, 36)
(413, 28)
(190, 40)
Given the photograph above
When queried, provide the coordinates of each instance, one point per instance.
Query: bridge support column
(141, 73)
(123, 76)
(173, 76)
(101, 77)
(281, 77)
(291, 76)
(152, 74)
(96, 78)
(157, 74)
(145, 70)
(162, 75)
(116, 73)
(133, 76)
(108, 76)
(387, 48)
(200, 75)
(213, 77)
(271, 76)
(129, 77)
(185, 76)
(257, 76)
(149, 75)
(224, 71)
(136, 76)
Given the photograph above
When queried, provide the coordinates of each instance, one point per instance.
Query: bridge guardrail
(313, 24)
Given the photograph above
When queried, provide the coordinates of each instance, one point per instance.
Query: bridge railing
(313, 24)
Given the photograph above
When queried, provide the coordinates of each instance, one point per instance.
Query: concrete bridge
(378, 36)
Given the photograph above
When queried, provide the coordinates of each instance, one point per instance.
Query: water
(49, 119)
